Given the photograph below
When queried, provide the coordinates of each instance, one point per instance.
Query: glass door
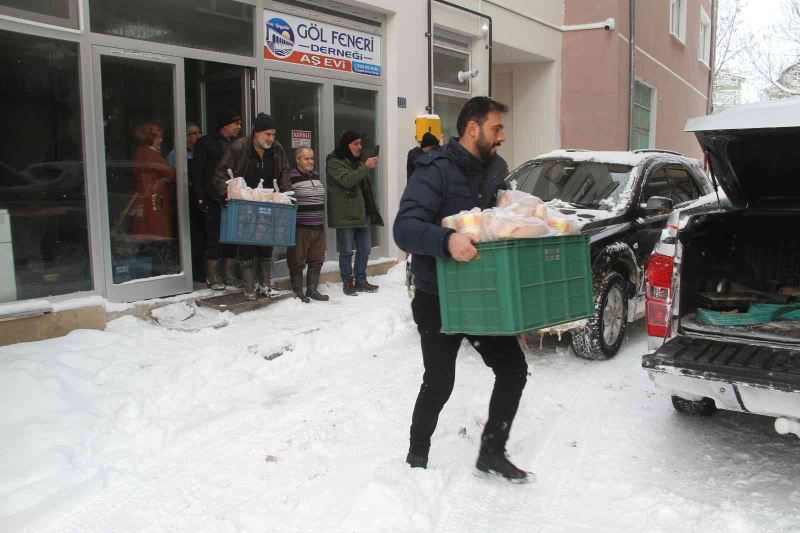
(315, 111)
(145, 213)
(294, 105)
(356, 109)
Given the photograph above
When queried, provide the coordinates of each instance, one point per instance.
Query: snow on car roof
(618, 158)
(776, 114)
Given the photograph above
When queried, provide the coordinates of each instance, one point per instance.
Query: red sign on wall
(301, 138)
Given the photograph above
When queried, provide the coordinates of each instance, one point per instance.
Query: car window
(683, 186)
(587, 183)
(657, 185)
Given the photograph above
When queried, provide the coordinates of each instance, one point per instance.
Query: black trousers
(502, 354)
(214, 248)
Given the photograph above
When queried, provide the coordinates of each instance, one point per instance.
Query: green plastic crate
(517, 285)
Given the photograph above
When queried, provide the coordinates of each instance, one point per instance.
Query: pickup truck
(717, 267)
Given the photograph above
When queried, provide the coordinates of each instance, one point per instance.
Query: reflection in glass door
(139, 129)
(356, 109)
(295, 108)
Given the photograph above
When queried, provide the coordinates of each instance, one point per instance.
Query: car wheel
(605, 330)
(704, 407)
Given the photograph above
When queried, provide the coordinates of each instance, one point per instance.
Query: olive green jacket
(350, 194)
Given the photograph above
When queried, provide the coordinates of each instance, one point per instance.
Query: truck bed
(782, 332)
(760, 366)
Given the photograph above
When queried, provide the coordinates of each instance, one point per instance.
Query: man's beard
(266, 145)
(485, 147)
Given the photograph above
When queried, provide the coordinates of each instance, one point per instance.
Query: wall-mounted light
(466, 75)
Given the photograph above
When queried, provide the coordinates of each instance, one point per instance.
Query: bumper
(728, 395)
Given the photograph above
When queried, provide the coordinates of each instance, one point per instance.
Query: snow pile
(295, 418)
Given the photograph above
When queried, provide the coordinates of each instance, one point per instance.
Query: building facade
(671, 70)
(99, 96)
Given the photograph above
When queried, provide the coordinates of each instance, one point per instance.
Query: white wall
(529, 81)
(503, 91)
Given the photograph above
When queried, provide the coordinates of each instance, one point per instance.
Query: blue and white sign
(313, 43)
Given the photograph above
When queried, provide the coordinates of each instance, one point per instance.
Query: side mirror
(658, 203)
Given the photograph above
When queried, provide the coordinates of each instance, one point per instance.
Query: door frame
(327, 143)
(145, 288)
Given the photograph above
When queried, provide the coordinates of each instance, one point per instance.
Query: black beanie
(429, 139)
(343, 150)
(264, 122)
(226, 117)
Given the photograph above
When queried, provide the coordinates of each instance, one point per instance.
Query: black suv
(623, 200)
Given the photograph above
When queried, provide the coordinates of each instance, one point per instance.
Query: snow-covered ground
(295, 419)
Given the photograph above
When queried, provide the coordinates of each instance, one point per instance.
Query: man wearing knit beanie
(429, 142)
(352, 209)
(258, 157)
(207, 155)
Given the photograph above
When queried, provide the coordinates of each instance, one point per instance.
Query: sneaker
(366, 286)
(417, 461)
(499, 465)
(349, 287)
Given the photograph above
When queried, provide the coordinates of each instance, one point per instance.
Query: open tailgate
(761, 366)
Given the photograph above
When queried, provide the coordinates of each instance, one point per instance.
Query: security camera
(467, 75)
(610, 24)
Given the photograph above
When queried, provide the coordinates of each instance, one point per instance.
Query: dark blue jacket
(444, 183)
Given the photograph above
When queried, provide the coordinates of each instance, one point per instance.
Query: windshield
(585, 183)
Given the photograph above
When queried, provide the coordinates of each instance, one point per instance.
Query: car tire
(704, 407)
(604, 333)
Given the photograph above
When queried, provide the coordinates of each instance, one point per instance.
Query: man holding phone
(352, 209)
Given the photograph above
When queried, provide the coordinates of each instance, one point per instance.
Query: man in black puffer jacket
(466, 173)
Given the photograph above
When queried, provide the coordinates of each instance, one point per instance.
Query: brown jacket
(237, 159)
(151, 210)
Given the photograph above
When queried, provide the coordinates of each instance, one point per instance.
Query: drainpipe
(713, 57)
(632, 70)
(429, 35)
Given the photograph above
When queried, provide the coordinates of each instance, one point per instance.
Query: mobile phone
(377, 150)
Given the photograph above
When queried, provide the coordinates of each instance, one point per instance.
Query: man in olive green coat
(352, 210)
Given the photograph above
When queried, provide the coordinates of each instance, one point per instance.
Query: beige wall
(529, 80)
(527, 65)
(595, 81)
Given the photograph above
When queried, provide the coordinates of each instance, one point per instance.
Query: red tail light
(658, 292)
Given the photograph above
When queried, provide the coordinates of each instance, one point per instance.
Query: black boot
(497, 463)
(265, 277)
(229, 273)
(249, 277)
(213, 278)
(296, 278)
(417, 461)
(312, 281)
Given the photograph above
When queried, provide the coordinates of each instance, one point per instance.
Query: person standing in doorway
(429, 142)
(352, 210)
(467, 173)
(208, 153)
(309, 248)
(255, 158)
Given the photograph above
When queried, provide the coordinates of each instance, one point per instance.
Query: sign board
(301, 138)
(304, 41)
(401, 102)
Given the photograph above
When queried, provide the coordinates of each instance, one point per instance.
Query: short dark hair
(477, 109)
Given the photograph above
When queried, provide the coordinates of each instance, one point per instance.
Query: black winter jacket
(444, 183)
(208, 153)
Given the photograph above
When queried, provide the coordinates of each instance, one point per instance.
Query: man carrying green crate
(256, 157)
(466, 173)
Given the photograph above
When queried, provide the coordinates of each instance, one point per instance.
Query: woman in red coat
(152, 209)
